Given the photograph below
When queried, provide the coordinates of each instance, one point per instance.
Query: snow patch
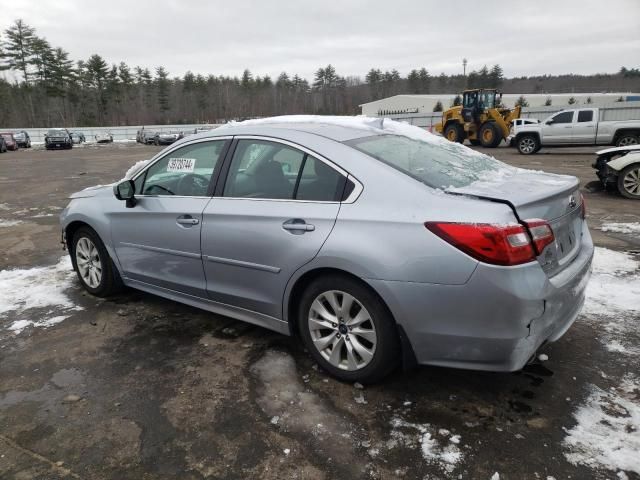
(23, 292)
(135, 168)
(613, 299)
(628, 228)
(9, 223)
(442, 453)
(607, 432)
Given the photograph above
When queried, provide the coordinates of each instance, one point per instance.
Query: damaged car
(619, 168)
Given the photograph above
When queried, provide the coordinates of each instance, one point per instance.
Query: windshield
(438, 165)
(488, 99)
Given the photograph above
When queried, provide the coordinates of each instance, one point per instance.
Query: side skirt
(237, 313)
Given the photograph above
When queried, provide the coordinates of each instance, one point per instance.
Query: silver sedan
(372, 241)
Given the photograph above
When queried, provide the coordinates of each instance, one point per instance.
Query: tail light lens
(541, 234)
(494, 244)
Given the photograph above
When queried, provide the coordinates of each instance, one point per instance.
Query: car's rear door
(276, 208)
(157, 242)
(584, 128)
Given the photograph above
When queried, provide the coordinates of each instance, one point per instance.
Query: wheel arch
(625, 131)
(522, 134)
(296, 288)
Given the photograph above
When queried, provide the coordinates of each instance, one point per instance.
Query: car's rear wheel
(348, 330)
(629, 181)
(92, 263)
(528, 144)
(627, 139)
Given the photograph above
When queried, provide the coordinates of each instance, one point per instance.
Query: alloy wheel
(631, 182)
(88, 261)
(626, 141)
(527, 145)
(342, 330)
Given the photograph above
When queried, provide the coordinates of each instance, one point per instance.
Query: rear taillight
(494, 244)
(541, 234)
(583, 207)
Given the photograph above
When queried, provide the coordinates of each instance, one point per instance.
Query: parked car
(620, 168)
(167, 138)
(103, 137)
(371, 240)
(77, 137)
(9, 141)
(57, 138)
(148, 137)
(576, 127)
(3, 145)
(22, 139)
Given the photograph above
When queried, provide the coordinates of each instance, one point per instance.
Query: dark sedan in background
(9, 140)
(167, 138)
(22, 139)
(57, 138)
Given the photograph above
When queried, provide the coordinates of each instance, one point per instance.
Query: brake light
(583, 207)
(541, 234)
(494, 244)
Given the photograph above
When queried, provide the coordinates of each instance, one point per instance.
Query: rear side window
(585, 116)
(564, 117)
(271, 170)
(438, 165)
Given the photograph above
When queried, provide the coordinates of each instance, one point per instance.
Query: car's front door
(558, 129)
(157, 242)
(277, 207)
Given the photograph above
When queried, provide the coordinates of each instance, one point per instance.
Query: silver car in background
(374, 242)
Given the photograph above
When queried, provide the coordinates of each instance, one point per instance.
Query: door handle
(298, 226)
(187, 220)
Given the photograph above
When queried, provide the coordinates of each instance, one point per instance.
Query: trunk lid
(539, 195)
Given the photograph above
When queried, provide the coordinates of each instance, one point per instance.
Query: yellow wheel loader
(478, 119)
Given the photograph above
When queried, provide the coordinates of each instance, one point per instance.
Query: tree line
(48, 88)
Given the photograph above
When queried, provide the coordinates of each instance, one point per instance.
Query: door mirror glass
(124, 190)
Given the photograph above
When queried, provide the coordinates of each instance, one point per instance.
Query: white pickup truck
(580, 126)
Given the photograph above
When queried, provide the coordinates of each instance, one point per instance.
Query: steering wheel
(193, 184)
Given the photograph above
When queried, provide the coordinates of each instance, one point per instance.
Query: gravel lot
(139, 387)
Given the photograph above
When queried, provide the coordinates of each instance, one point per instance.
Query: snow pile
(613, 299)
(632, 228)
(9, 223)
(607, 433)
(438, 447)
(37, 294)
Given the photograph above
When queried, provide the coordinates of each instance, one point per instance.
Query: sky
(526, 37)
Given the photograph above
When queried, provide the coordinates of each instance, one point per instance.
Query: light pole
(464, 67)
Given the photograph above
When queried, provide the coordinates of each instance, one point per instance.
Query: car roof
(336, 128)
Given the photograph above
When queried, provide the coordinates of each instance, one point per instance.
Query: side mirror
(126, 190)
(549, 122)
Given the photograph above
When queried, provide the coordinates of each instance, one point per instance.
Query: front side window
(563, 117)
(438, 165)
(186, 171)
(264, 169)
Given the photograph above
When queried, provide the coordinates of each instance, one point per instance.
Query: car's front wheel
(528, 144)
(94, 267)
(629, 181)
(348, 330)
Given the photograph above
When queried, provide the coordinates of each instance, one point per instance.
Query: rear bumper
(497, 320)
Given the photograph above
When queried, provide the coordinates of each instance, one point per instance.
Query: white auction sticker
(181, 165)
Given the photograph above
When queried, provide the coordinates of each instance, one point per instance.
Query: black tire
(386, 356)
(626, 139)
(475, 142)
(632, 171)
(110, 281)
(490, 135)
(528, 144)
(454, 133)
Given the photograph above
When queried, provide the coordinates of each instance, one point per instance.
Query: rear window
(440, 165)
